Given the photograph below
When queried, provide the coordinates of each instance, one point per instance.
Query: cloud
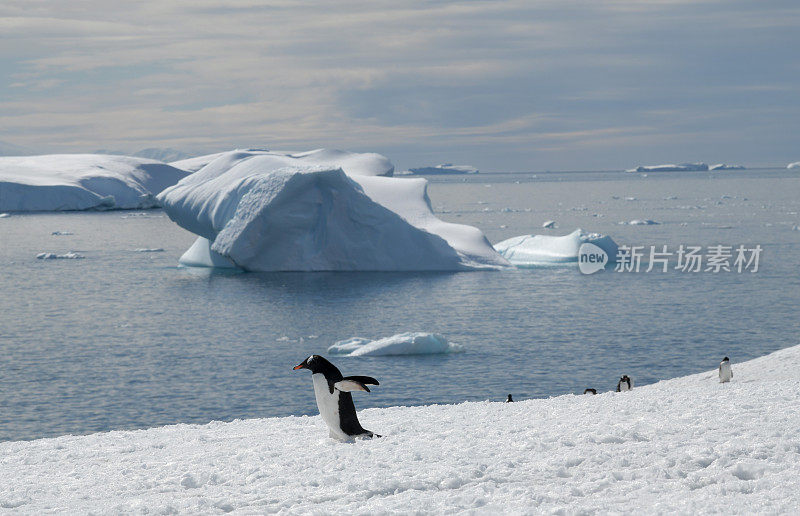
(513, 78)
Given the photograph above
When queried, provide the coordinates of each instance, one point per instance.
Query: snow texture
(683, 167)
(267, 212)
(531, 250)
(415, 343)
(689, 445)
(61, 182)
(444, 168)
(362, 164)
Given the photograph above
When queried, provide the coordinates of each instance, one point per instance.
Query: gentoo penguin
(334, 401)
(725, 373)
(624, 383)
(590, 391)
(509, 399)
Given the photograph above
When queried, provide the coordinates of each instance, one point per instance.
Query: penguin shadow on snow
(334, 401)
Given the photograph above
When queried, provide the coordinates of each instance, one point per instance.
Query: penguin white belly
(725, 372)
(328, 405)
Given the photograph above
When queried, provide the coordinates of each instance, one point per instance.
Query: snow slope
(688, 445)
(61, 182)
(267, 212)
(529, 250)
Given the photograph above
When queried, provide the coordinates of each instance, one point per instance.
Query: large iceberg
(444, 168)
(413, 343)
(683, 167)
(532, 250)
(262, 211)
(353, 163)
(61, 182)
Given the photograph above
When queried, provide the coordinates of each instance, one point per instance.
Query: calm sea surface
(125, 339)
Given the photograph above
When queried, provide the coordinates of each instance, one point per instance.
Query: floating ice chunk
(548, 224)
(444, 168)
(630, 199)
(796, 164)
(201, 255)
(723, 166)
(643, 222)
(61, 233)
(62, 182)
(310, 218)
(531, 250)
(670, 197)
(403, 344)
(149, 250)
(683, 167)
(4, 215)
(66, 256)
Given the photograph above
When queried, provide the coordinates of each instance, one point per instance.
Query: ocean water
(125, 339)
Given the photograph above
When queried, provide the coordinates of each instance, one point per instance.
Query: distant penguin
(590, 391)
(509, 399)
(334, 401)
(624, 383)
(725, 373)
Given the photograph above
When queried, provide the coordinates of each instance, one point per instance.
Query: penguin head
(725, 359)
(317, 364)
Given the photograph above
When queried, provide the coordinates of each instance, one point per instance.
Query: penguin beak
(299, 366)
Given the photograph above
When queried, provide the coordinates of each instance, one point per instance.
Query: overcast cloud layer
(505, 86)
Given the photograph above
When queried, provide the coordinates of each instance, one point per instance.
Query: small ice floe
(670, 197)
(579, 208)
(313, 337)
(412, 343)
(642, 222)
(4, 215)
(631, 199)
(796, 164)
(543, 250)
(683, 167)
(66, 256)
(550, 224)
(795, 228)
(503, 226)
(149, 250)
(615, 197)
(62, 233)
(142, 215)
(283, 339)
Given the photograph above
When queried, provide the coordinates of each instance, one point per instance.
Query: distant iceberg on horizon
(444, 168)
(724, 166)
(73, 182)
(683, 167)
(317, 211)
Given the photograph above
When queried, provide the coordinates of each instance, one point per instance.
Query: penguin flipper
(355, 383)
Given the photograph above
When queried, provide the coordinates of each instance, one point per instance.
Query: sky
(518, 85)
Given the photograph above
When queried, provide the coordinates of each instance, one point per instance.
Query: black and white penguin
(334, 401)
(624, 383)
(509, 399)
(590, 391)
(725, 373)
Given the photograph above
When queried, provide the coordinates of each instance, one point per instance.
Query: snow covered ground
(687, 445)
